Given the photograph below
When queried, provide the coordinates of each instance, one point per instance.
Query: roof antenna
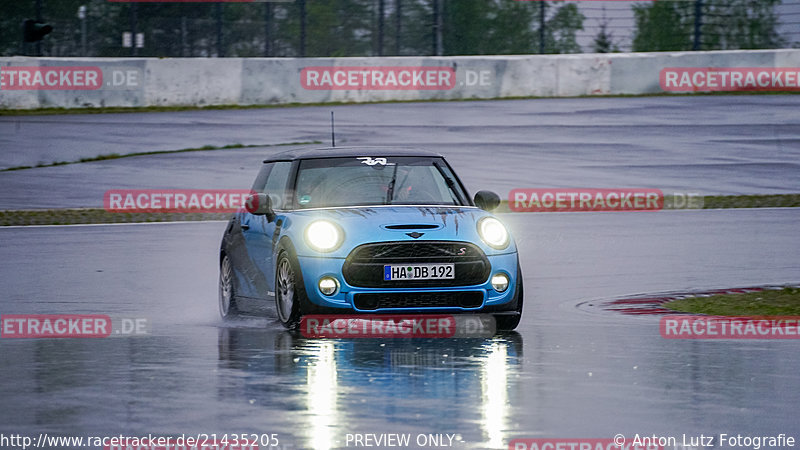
(333, 133)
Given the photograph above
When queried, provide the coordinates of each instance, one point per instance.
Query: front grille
(364, 265)
(415, 249)
(371, 302)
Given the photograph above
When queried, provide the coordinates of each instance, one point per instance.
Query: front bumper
(471, 298)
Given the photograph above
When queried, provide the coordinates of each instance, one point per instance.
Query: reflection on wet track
(406, 376)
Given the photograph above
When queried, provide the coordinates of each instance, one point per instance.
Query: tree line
(336, 28)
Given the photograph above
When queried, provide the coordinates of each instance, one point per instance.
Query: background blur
(338, 28)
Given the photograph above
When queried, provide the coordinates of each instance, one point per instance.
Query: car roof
(344, 152)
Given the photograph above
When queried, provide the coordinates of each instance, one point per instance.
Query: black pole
(39, 19)
(220, 50)
(333, 132)
(398, 26)
(542, 22)
(302, 28)
(184, 50)
(435, 27)
(189, 41)
(698, 24)
(84, 19)
(381, 12)
(267, 29)
(441, 27)
(134, 27)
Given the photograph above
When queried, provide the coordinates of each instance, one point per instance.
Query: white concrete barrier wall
(27, 83)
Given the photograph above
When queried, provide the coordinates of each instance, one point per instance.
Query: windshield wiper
(390, 190)
(450, 183)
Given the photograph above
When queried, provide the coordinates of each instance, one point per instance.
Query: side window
(261, 178)
(276, 184)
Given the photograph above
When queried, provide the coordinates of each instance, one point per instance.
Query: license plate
(396, 272)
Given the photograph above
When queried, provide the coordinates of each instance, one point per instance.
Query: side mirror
(487, 200)
(260, 205)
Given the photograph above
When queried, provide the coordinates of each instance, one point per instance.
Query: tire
(508, 323)
(290, 293)
(227, 298)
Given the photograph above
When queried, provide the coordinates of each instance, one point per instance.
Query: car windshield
(365, 181)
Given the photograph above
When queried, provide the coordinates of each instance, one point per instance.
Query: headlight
(493, 232)
(323, 236)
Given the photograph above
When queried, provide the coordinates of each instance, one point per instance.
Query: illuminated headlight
(493, 233)
(323, 236)
(328, 285)
(500, 282)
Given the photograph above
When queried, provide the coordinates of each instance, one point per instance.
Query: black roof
(344, 152)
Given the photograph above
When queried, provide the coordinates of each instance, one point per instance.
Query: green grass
(78, 216)
(110, 156)
(751, 201)
(727, 202)
(782, 302)
(159, 109)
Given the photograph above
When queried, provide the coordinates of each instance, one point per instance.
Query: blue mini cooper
(367, 231)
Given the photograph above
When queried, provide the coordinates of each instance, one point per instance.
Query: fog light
(500, 282)
(328, 285)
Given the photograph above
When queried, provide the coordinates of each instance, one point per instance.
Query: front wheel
(289, 291)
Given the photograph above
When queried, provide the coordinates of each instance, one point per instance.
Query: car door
(259, 233)
(246, 274)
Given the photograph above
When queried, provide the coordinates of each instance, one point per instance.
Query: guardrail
(28, 83)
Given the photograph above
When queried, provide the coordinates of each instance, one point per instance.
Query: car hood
(363, 225)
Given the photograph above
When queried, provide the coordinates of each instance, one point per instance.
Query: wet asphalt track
(566, 373)
(711, 145)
